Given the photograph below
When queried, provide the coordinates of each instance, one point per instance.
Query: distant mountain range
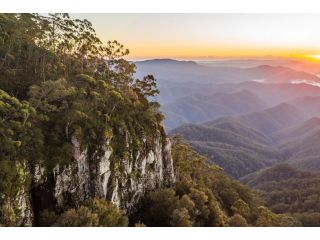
(183, 78)
(272, 119)
(186, 71)
(200, 108)
(246, 143)
(194, 93)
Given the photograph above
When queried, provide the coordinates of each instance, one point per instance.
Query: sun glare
(315, 57)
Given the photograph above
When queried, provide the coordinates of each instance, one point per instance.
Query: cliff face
(122, 184)
(121, 181)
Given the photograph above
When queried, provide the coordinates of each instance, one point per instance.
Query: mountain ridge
(230, 141)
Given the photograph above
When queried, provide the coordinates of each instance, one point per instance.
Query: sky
(211, 35)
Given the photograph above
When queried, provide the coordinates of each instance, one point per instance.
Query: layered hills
(200, 108)
(191, 92)
(245, 143)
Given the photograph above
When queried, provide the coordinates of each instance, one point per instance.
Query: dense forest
(286, 189)
(60, 87)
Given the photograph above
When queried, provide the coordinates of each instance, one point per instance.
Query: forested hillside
(238, 152)
(274, 151)
(289, 190)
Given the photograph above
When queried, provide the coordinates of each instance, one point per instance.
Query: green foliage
(181, 218)
(147, 86)
(237, 221)
(157, 201)
(270, 219)
(15, 126)
(73, 83)
(308, 219)
(288, 190)
(228, 143)
(37, 48)
(96, 213)
(81, 217)
(47, 218)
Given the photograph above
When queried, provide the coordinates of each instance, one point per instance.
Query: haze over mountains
(242, 115)
(194, 93)
(186, 71)
(199, 108)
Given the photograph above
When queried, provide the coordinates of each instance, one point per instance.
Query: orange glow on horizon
(211, 35)
(185, 52)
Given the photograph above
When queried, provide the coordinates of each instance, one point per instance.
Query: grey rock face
(25, 210)
(146, 170)
(122, 181)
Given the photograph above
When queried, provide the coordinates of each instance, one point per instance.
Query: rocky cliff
(121, 181)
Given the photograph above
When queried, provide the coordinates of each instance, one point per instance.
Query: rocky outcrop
(24, 208)
(72, 182)
(122, 182)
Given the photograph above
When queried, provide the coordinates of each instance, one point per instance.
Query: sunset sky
(211, 35)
